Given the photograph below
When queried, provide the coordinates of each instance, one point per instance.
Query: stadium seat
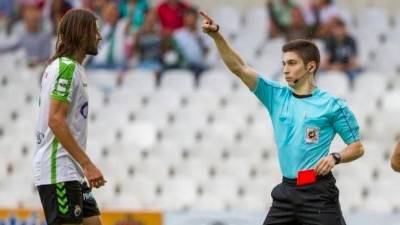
(209, 152)
(178, 80)
(204, 99)
(113, 168)
(125, 100)
(138, 193)
(105, 80)
(144, 133)
(334, 82)
(228, 18)
(217, 81)
(178, 193)
(206, 203)
(224, 188)
(256, 23)
(125, 202)
(155, 168)
(195, 118)
(351, 192)
(236, 168)
(166, 99)
(166, 150)
(193, 167)
(139, 81)
(373, 19)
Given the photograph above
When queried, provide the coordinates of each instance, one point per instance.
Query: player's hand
(209, 26)
(94, 176)
(325, 165)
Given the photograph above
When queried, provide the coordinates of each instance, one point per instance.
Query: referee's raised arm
(231, 58)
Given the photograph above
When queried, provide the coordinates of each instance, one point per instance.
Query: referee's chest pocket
(313, 127)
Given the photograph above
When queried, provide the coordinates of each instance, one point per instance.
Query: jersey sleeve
(268, 92)
(345, 123)
(64, 85)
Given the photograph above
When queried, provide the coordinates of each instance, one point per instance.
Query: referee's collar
(307, 95)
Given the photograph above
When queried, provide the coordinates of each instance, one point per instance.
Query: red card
(306, 177)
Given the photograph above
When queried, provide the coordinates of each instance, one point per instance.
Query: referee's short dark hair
(306, 49)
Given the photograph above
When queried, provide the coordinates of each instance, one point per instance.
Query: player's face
(93, 44)
(293, 67)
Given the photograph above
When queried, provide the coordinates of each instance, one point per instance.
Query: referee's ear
(312, 67)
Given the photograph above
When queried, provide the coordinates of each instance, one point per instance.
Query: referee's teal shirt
(304, 126)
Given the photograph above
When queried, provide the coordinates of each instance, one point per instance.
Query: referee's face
(293, 68)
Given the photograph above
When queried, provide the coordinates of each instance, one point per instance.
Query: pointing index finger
(205, 15)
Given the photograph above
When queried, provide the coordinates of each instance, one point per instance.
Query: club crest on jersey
(62, 85)
(312, 135)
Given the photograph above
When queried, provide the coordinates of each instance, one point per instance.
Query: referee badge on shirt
(312, 135)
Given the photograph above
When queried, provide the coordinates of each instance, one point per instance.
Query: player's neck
(79, 57)
(305, 88)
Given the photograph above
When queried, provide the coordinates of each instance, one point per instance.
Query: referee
(305, 121)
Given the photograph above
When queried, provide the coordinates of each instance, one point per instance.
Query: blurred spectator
(341, 50)
(32, 37)
(281, 15)
(320, 14)
(287, 19)
(191, 44)
(8, 14)
(89, 5)
(112, 51)
(96, 6)
(148, 45)
(134, 11)
(57, 10)
(170, 14)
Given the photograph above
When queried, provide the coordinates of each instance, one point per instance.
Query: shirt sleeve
(267, 92)
(345, 123)
(64, 84)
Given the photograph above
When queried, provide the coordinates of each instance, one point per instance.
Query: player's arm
(231, 58)
(395, 159)
(58, 124)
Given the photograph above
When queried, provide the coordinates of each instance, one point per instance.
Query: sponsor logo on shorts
(77, 211)
(88, 196)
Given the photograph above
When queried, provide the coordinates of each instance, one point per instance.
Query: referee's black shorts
(313, 204)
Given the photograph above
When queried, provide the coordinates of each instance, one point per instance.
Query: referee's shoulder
(334, 100)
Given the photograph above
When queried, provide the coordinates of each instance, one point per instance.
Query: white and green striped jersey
(63, 80)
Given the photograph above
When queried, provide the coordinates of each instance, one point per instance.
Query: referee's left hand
(325, 165)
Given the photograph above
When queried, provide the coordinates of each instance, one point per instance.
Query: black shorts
(67, 202)
(313, 204)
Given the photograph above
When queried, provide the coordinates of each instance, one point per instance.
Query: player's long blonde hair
(75, 33)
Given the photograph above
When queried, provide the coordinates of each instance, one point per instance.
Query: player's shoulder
(67, 62)
(67, 66)
(62, 62)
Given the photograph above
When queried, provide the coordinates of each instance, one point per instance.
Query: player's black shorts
(316, 203)
(67, 202)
